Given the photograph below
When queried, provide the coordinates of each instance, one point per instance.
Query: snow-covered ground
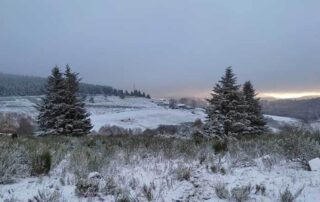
(161, 175)
(282, 119)
(138, 113)
(127, 113)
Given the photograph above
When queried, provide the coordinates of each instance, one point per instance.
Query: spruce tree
(254, 110)
(226, 113)
(62, 111)
(50, 108)
(76, 121)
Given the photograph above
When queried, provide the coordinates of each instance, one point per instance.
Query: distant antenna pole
(134, 87)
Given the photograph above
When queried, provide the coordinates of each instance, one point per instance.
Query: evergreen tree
(62, 110)
(75, 120)
(226, 114)
(254, 110)
(50, 108)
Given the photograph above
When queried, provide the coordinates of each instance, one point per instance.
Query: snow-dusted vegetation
(155, 168)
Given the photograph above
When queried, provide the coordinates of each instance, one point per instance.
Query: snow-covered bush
(240, 194)
(221, 191)
(87, 188)
(84, 160)
(41, 163)
(220, 146)
(46, 196)
(147, 192)
(297, 144)
(124, 196)
(198, 124)
(183, 173)
(111, 187)
(286, 196)
(15, 160)
(8, 122)
(260, 188)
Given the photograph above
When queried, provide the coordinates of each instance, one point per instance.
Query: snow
(315, 125)
(200, 187)
(94, 175)
(128, 113)
(137, 113)
(21, 105)
(315, 164)
(282, 119)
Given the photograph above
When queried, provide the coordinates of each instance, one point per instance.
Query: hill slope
(17, 85)
(305, 109)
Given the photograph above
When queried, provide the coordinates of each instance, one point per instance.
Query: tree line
(17, 85)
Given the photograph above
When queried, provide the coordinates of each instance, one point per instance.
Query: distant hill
(303, 109)
(17, 85)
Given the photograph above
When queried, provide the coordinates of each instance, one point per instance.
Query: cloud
(168, 47)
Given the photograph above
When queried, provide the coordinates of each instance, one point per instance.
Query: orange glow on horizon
(289, 95)
(277, 95)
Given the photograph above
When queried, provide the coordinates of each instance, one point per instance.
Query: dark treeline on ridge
(18, 85)
(305, 109)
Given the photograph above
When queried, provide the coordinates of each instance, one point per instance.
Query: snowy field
(114, 169)
(112, 111)
(138, 113)
(126, 113)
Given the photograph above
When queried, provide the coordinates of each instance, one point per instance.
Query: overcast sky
(166, 47)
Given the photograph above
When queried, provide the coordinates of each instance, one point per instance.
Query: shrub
(220, 146)
(41, 164)
(45, 196)
(197, 137)
(124, 196)
(167, 129)
(197, 124)
(214, 169)
(147, 192)
(240, 194)
(14, 160)
(183, 173)
(87, 188)
(261, 189)
(223, 171)
(8, 122)
(286, 196)
(202, 158)
(111, 187)
(25, 127)
(221, 191)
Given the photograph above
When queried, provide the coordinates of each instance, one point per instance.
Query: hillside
(18, 85)
(303, 109)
